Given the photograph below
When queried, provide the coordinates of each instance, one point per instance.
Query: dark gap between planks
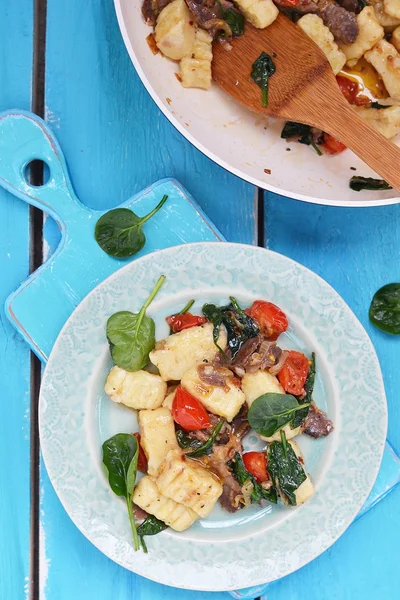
(36, 258)
(260, 217)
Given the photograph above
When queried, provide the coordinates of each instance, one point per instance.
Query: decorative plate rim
(215, 576)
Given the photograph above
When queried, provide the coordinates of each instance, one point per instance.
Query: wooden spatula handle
(371, 146)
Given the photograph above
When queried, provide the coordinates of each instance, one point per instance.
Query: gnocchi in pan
(360, 38)
(220, 375)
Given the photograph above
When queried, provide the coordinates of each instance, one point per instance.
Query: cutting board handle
(23, 138)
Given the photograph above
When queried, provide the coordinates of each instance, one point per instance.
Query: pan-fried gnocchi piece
(168, 400)
(314, 27)
(175, 30)
(137, 390)
(306, 489)
(148, 497)
(186, 349)
(388, 22)
(157, 436)
(196, 68)
(185, 481)
(370, 32)
(224, 401)
(395, 39)
(386, 60)
(392, 8)
(386, 121)
(259, 13)
(256, 384)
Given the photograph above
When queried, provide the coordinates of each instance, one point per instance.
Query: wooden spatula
(303, 89)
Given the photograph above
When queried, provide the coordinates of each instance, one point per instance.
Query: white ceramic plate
(256, 545)
(244, 143)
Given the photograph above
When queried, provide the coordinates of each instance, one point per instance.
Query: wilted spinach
(308, 387)
(376, 105)
(301, 133)
(132, 336)
(120, 457)
(185, 441)
(235, 20)
(262, 69)
(150, 526)
(271, 412)
(242, 475)
(239, 326)
(206, 448)
(285, 469)
(368, 183)
(384, 311)
(119, 231)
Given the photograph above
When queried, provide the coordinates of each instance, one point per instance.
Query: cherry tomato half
(332, 146)
(271, 320)
(185, 321)
(256, 464)
(294, 373)
(188, 412)
(351, 91)
(142, 459)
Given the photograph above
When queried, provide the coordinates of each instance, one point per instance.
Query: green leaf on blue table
(384, 311)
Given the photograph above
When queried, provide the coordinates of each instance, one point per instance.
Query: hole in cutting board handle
(37, 172)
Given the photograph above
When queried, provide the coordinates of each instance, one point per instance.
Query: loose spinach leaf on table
(206, 448)
(285, 469)
(120, 456)
(132, 336)
(384, 311)
(368, 183)
(308, 387)
(301, 133)
(271, 412)
(150, 526)
(262, 69)
(119, 231)
(242, 475)
(239, 326)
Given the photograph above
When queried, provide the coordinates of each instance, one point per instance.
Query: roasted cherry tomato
(294, 373)
(188, 412)
(351, 91)
(289, 3)
(256, 464)
(185, 321)
(332, 146)
(142, 459)
(271, 320)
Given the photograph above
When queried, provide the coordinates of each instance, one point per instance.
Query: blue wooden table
(116, 142)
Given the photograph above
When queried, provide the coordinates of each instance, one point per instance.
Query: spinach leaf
(285, 469)
(262, 69)
(308, 387)
(184, 310)
(120, 456)
(132, 336)
(376, 105)
(119, 231)
(384, 311)
(368, 183)
(206, 448)
(185, 441)
(271, 412)
(234, 18)
(239, 326)
(150, 526)
(301, 133)
(242, 475)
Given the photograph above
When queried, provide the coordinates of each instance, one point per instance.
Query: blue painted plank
(15, 90)
(356, 251)
(116, 142)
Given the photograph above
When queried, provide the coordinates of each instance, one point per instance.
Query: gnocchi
(256, 384)
(186, 349)
(196, 68)
(392, 8)
(136, 390)
(158, 437)
(395, 39)
(259, 13)
(314, 27)
(370, 32)
(386, 60)
(175, 30)
(386, 121)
